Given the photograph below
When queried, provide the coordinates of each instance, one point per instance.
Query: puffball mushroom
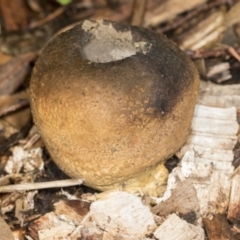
(112, 102)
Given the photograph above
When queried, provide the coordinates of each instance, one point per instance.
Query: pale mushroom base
(152, 182)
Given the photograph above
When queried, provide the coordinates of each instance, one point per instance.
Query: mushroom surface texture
(112, 103)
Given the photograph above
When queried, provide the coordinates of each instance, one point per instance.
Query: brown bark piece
(72, 210)
(15, 14)
(183, 200)
(49, 226)
(218, 228)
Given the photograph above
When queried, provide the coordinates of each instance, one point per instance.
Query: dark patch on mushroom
(164, 84)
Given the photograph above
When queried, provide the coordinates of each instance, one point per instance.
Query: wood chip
(112, 215)
(6, 233)
(234, 204)
(175, 228)
(72, 211)
(51, 227)
(168, 10)
(219, 96)
(182, 194)
(207, 31)
(23, 205)
(208, 166)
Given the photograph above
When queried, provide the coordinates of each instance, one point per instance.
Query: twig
(81, 225)
(234, 53)
(42, 185)
(238, 118)
(47, 19)
(139, 7)
(210, 53)
(17, 106)
(31, 141)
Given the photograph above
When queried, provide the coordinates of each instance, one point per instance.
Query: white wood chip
(54, 233)
(214, 126)
(175, 228)
(124, 215)
(213, 141)
(29, 160)
(219, 95)
(207, 158)
(215, 113)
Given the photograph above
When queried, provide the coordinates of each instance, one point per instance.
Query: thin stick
(13, 108)
(238, 119)
(212, 53)
(42, 185)
(234, 53)
(32, 140)
(138, 12)
(47, 19)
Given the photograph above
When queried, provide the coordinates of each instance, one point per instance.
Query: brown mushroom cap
(113, 102)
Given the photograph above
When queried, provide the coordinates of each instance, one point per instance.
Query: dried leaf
(14, 72)
(15, 14)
